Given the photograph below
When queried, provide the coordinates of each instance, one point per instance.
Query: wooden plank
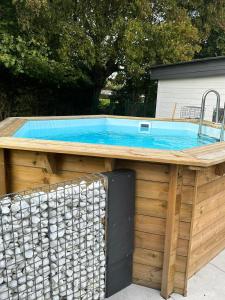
(186, 271)
(154, 190)
(146, 171)
(185, 212)
(208, 123)
(210, 204)
(150, 224)
(26, 158)
(148, 257)
(64, 162)
(172, 228)
(109, 164)
(179, 282)
(146, 283)
(10, 125)
(50, 163)
(158, 208)
(3, 187)
(84, 164)
(155, 259)
(156, 242)
(206, 156)
(147, 275)
(209, 219)
(184, 230)
(203, 255)
(107, 151)
(151, 207)
(207, 175)
(187, 194)
(149, 241)
(23, 178)
(188, 177)
(67, 117)
(210, 189)
(220, 169)
(158, 226)
(181, 263)
(182, 247)
(210, 232)
(195, 168)
(180, 291)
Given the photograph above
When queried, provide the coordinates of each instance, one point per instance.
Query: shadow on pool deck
(207, 284)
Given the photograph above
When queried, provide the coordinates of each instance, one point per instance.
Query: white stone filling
(54, 243)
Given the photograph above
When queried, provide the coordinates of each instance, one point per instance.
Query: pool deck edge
(203, 156)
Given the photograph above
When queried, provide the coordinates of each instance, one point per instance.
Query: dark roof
(205, 67)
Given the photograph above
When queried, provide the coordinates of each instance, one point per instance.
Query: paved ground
(207, 284)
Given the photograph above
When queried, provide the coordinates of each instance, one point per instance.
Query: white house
(181, 86)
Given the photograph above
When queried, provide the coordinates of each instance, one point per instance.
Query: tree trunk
(99, 76)
(95, 99)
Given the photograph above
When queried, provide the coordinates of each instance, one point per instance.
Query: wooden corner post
(50, 163)
(171, 235)
(3, 189)
(109, 164)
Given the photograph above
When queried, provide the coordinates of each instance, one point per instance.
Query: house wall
(188, 91)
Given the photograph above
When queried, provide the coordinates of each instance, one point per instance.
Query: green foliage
(33, 58)
(97, 37)
(74, 42)
(208, 17)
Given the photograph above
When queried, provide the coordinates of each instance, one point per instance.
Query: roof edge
(190, 69)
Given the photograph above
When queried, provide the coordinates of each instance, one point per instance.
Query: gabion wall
(52, 242)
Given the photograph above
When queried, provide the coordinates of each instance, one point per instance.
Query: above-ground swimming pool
(120, 132)
(179, 197)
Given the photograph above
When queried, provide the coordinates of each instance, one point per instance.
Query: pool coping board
(203, 156)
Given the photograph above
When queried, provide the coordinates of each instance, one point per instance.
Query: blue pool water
(120, 132)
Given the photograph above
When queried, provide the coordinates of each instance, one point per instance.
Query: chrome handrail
(222, 125)
(202, 114)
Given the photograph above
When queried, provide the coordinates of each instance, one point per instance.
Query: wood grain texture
(150, 189)
(206, 156)
(27, 169)
(3, 184)
(156, 225)
(146, 171)
(63, 162)
(200, 228)
(156, 242)
(10, 125)
(171, 235)
(109, 164)
(220, 169)
(158, 208)
(208, 219)
(50, 163)
(147, 275)
(195, 176)
(107, 151)
(155, 259)
(210, 189)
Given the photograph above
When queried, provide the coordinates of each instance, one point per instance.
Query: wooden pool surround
(180, 196)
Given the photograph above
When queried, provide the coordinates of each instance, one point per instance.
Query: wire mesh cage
(52, 241)
(190, 112)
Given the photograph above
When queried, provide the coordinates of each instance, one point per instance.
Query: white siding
(188, 92)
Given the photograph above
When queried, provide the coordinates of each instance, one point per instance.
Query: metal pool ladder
(202, 113)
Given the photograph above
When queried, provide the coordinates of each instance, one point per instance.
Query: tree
(208, 17)
(88, 40)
